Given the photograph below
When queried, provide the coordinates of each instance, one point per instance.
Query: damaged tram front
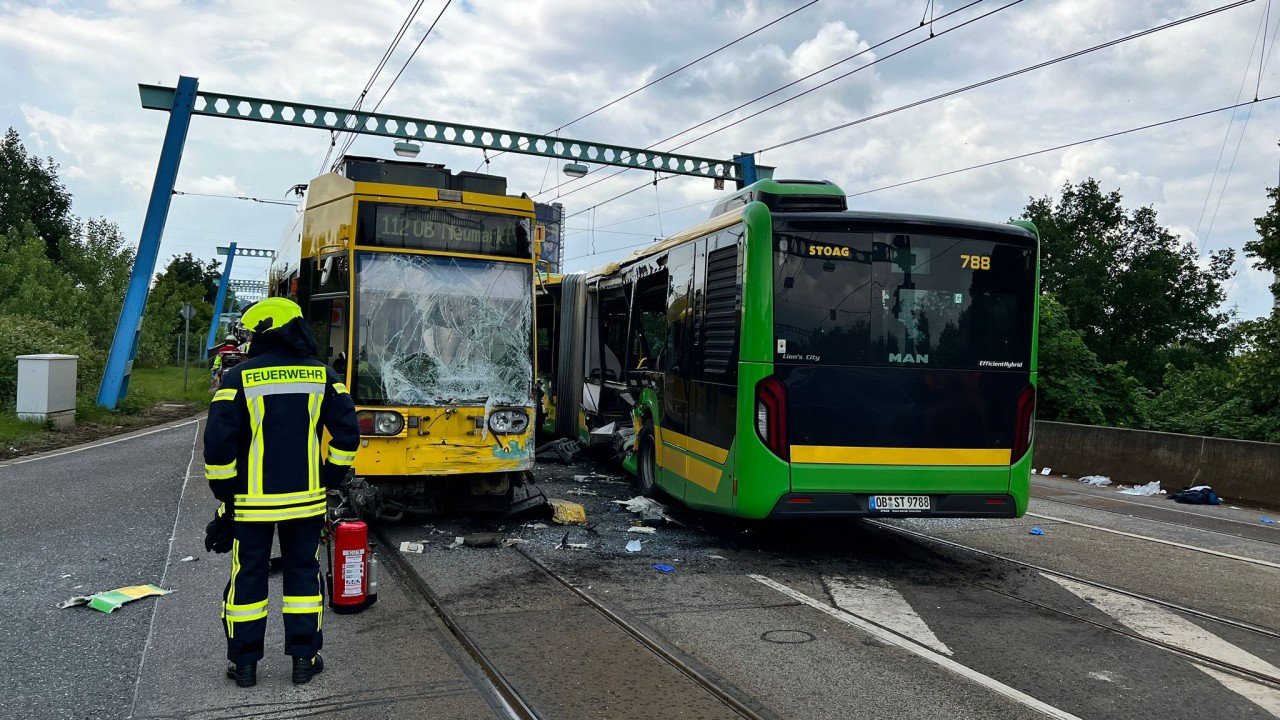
(418, 285)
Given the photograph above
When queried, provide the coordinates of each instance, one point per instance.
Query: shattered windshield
(437, 330)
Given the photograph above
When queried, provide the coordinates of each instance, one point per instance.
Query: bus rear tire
(646, 482)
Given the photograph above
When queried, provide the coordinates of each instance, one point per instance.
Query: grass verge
(155, 397)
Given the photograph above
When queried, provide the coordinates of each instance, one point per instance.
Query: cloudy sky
(69, 73)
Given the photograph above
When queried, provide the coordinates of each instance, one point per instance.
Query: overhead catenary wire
(771, 93)
(400, 72)
(1015, 73)
(1063, 146)
(289, 203)
(373, 77)
(680, 69)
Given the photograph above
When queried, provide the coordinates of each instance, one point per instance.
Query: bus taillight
(1025, 424)
(771, 416)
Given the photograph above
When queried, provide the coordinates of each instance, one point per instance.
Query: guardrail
(1241, 470)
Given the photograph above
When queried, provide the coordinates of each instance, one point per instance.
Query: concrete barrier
(1240, 470)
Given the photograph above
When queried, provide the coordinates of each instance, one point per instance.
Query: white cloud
(69, 72)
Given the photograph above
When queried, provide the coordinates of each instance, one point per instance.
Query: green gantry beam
(239, 107)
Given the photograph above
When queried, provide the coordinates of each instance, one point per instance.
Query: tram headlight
(380, 422)
(508, 422)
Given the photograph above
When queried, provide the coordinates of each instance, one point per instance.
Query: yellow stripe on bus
(715, 454)
(828, 455)
(696, 471)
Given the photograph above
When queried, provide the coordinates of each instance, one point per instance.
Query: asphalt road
(798, 620)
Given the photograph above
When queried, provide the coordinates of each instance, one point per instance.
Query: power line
(1015, 73)
(290, 203)
(686, 66)
(771, 93)
(1064, 146)
(382, 63)
(396, 79)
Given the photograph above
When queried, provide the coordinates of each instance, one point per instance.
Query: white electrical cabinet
(47, 388)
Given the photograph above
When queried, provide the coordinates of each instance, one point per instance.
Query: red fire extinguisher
(353, 570)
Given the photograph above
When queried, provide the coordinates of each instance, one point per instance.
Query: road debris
(482, 540)
(189, 558)
(1099, 480)
(512, 542)
(564, 449)
(64, 577)
(1198, 495)
(586, 493)
(457, 543)
(412, 547)
(642, 529)
(111, 600)
(1046, 471)
(1266, 520)
(567, 512)
(715, 557)
(1151, 488)
(650, 511)
(1037, 531)
(536, 526)
(633, 546)
(664, 568)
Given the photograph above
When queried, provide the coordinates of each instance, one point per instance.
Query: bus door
(676, 377)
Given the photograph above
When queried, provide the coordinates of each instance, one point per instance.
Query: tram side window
(328, 320)
(613, 331)
(719, 347)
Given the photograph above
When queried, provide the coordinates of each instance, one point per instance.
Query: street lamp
(408, 149)
(576, 170)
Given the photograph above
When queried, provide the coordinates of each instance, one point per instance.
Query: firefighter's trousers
(244, 608)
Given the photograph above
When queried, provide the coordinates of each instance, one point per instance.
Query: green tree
(1265, 251)
(30, 192)
(33, 285)
(188, 270)
(1127, 285)
(1075, 386)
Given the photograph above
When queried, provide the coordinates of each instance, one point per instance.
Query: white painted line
(1261, 695)
(164, 574)
(1184, 546)
(1152, 621)
(877, 601)
(90, 446)
(919, 650)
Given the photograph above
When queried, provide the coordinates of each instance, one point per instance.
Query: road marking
(91, 446)
(1184, 546)
(1110, 498)
(1266, 698)
(877, 601)
(1157, 623)
(912, 647)
(164, 574)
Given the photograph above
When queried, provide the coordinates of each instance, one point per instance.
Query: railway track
(512, 700)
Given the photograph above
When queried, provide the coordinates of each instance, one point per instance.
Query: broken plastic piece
(457, 543)
(1266, 520)
(413, 547)
(567, 513)
(1151, 488)
(1098, 480)
(663, 568)
(715, 557)
(1037, 531)
(537, 526)
(1046, 471)
(582, 493)
(642, 530)
(633, 546)
(189, 558)
(111, 600)
(512, 542)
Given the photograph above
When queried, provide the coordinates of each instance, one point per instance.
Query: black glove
(221, 531)
(333, 475)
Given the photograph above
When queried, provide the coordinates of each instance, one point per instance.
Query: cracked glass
(436, 330)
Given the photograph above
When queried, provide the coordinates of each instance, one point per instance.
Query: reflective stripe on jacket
(262, 446)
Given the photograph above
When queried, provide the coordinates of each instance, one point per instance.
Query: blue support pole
(222, 297)
(747, 162)
(124, 346)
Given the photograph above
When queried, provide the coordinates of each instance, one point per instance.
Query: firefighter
(264, 461)
(229, 345)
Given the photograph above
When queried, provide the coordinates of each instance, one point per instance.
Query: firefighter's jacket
(262, 446)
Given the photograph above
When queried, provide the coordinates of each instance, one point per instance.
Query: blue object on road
(1267, 520)
(663, 568)
(1036, 531)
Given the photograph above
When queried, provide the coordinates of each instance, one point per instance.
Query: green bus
(792, 358)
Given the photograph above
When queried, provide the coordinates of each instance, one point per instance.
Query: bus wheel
(646, 462)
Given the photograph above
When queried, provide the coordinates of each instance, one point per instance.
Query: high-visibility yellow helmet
(270, 314)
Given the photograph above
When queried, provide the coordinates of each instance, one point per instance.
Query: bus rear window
(902, 299)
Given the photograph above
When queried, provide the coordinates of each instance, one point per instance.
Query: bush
(21, 335)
